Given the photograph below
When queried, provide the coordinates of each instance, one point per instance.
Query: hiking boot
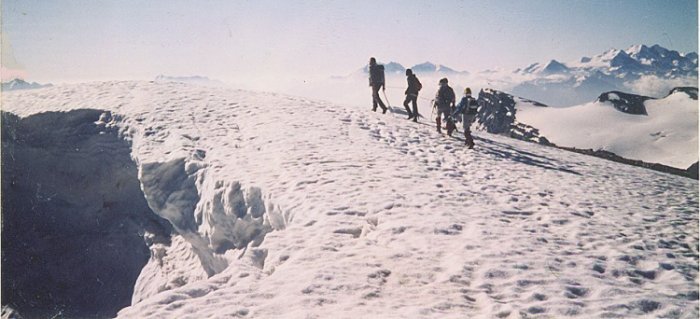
(415, 119)
(374, 109)
(410, 115)
(384, 110)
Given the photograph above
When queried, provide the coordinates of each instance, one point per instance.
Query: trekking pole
(387, 102)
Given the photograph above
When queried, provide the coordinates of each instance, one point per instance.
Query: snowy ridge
(375, 216)
(692, 92)
(625, 102)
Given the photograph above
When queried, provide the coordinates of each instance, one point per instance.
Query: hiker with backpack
(376, 81)
(445, 103)
(414, 86)
(466, 110)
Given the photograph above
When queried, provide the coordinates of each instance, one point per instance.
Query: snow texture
(286, 207)
(636, 127)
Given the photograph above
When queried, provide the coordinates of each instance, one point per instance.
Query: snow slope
(368, 215)
(667, 134)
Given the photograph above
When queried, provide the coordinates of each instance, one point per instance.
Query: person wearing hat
(376, 81)
(467, 109)
(444, 102)
(414, 86)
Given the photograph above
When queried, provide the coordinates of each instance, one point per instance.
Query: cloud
(655, 86)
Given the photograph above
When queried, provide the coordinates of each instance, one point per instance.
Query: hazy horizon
(74, 41)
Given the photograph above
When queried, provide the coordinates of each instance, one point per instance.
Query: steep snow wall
(73, 216)
(88, 231)
(217, 222)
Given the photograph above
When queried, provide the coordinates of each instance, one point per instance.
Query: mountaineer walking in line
(445, 102)
(414, 86)
(376, 81)
(467, 109)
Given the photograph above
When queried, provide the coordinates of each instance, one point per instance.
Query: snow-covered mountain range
(19, 84)
(209, 203)
(425, 68)
(640, 69)
(632, 63)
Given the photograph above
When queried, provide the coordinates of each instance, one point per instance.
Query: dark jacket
(413, 85)
(376, 75)
(445, 96)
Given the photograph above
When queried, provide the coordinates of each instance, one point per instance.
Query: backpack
(472, 106)
(376, 74)
(445, 95)
(419, 86)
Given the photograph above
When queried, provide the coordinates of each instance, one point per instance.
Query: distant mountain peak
(389, 67)
(635, 49)
(622, 59)
(20, 84)
(659, 49)
(429, 67)
(554, 67)
(394, 67)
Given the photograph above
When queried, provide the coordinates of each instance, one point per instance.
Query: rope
(400, 88)
(388, 104)
(387, 99)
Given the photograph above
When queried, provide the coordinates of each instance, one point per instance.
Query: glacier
(274, 206)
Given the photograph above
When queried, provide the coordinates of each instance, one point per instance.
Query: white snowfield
(373, 216)
(668, 134)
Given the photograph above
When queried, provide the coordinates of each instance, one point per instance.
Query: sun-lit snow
(667, 135)
(372, 216)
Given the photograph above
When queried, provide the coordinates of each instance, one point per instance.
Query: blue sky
(54, 41)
